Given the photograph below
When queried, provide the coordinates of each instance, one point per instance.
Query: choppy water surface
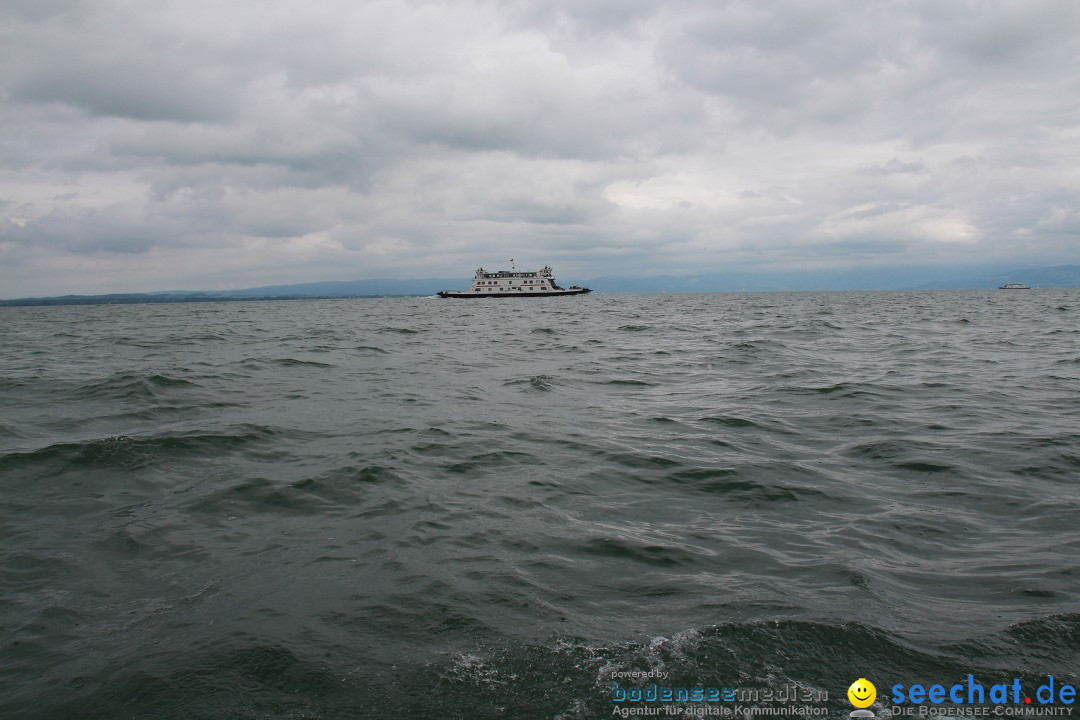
(429, 508)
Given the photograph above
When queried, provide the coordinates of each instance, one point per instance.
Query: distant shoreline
(170, 299)
(177, 299)
(1060, 276)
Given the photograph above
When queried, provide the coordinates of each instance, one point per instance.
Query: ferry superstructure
(511, 283)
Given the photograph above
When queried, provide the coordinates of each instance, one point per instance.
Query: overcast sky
(211, 145)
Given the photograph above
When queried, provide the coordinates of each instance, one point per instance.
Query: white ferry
(510, 283)
(1014, 286)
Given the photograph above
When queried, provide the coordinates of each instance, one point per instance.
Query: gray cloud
(199, 145)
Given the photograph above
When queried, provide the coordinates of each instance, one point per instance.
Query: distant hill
(355, 288)
(1062, 276)
(351, 288)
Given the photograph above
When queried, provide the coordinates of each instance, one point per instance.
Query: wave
(123, 452)
(569, 678)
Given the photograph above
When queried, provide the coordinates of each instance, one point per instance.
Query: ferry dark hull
(489, 295)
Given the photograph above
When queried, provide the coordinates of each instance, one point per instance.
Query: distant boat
(510, 283)
(1014, 286)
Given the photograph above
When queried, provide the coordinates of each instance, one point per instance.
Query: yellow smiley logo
(862, 693)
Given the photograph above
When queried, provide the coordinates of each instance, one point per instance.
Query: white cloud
(199, 145)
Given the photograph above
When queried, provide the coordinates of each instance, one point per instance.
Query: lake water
(423, 508)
